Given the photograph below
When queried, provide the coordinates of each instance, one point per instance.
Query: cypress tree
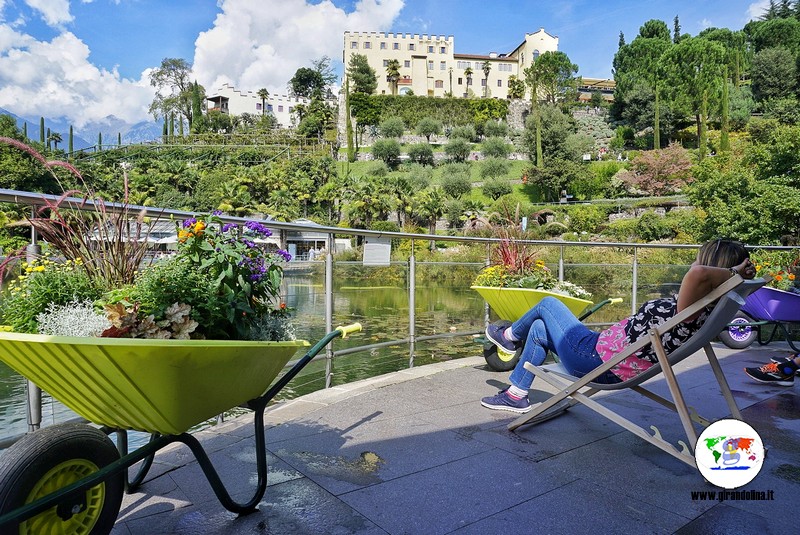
(171, 126)
(351, 154)
(47, 139)
(25, 130)
(70, 140)
(724, 142)
(164, 131)
(119, 139)
(41, 130)
(99, 141)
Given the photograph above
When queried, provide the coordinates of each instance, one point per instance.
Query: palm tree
(468, 74)
(263, 94)
(487, 67)
(393, 74)
(55, 139)
(429, 205)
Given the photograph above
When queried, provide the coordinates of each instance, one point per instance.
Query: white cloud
(261, 43)
(706, 23)
(56, 79)
(757, 9)
(54, 12)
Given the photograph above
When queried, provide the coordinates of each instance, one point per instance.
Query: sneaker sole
(499, 346)
(778, 382)
(506, 408)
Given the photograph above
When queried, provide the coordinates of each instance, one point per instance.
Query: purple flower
(189, 222)
(216, 212)
(227, 226)
(258, 228)
(249, 243)
(286, 256)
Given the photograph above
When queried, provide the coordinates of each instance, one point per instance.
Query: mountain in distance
(110, 127)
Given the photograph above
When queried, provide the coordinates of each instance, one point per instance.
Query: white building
(429, 64)
(228, 99)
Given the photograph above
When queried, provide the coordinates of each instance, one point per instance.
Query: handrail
(39, 199)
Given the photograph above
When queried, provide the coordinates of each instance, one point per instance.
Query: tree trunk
(656, 121)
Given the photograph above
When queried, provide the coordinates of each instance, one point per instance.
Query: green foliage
(421, 153)
(363, 77)
(41, 284)
(494, 167)
(652, 227)
(742, 107)
(773, 74)
(456, 185)
(387, 150)
(553, 74)
(587, 218)
(466, 133)
(454, 213)
(495, 147)
(784, 110)
(493, 128)
(458, 149)
(412, 109)
(496, 188)
(427, 126)
(393, 127)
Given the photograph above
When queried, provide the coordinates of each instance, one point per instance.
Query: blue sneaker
(785, 361)
(495, 334)
(503, 402)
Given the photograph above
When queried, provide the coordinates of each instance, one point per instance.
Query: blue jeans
(550, 326)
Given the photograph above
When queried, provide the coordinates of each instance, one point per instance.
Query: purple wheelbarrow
(766, 312)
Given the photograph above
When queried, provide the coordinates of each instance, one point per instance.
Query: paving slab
(414, 452)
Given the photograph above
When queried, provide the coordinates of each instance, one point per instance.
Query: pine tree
(676, 30)
(621, 42)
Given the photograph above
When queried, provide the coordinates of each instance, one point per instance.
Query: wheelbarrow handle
(349, 329)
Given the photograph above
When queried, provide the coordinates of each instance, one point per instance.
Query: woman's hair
(722, 252)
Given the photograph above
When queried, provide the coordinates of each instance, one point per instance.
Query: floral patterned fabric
(651, 314)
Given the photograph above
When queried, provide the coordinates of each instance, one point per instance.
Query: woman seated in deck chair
(550, 326)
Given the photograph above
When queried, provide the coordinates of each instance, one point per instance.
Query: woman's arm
(700, 280)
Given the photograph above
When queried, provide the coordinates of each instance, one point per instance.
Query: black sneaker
(776, 374)
(781, 360)
(496, 335)
(504, 402)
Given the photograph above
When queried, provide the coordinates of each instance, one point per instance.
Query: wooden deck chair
(729, 298)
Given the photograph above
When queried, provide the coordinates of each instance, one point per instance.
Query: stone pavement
(414, 452)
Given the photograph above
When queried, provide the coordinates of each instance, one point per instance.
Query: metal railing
(35, 199)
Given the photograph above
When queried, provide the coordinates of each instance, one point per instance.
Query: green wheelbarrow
(69, 478)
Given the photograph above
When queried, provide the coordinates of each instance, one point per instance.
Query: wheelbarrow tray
(511, 303)
(771, 304)
(156, 386)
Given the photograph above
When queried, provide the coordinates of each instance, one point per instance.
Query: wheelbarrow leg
(122, 446)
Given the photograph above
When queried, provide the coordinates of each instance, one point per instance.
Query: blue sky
(87, 59)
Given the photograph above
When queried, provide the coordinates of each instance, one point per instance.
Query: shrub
(427, 127)
(458, 149)
(454, 213)
(495, 147)
(492, 128)
(652, 227)
(587, 218)
(497, 187)
(377, 169)
(44, 283)
(494, 167)
(463, 132)
(387, 150)
(393, 127)
(421, 153)
(456, 185)
(419, 176)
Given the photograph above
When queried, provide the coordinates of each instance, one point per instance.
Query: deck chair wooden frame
(729, 298)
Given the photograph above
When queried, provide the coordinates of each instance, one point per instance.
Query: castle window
(367, 44)
(443, 50)
(411, 46)
(407, 63)
(383, 45)
(439, 84)
(353, 44)
(395, 46)
(499, 83)
(430, 50)
(430, 65)
(442, 65)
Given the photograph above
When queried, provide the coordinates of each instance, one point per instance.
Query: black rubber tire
(51, 458)
(739, 337)
(497, 361)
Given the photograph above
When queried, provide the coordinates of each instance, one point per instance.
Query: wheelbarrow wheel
(500, 362)
(739, 334)
(52, 458)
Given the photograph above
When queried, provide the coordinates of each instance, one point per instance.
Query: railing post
(561, 264)
(32, 252)
(412, 305)
(635, 282)
(329, 307)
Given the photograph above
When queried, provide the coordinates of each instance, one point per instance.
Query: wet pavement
(414, 452)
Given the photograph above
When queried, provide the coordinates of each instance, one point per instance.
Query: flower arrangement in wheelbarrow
(514, 265)
(94, 279)
(781, 268)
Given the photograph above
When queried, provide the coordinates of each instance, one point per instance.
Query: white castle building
(429, 64)
(228, 99)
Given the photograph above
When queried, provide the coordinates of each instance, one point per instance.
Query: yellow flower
(791, 276)
(39, 268)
